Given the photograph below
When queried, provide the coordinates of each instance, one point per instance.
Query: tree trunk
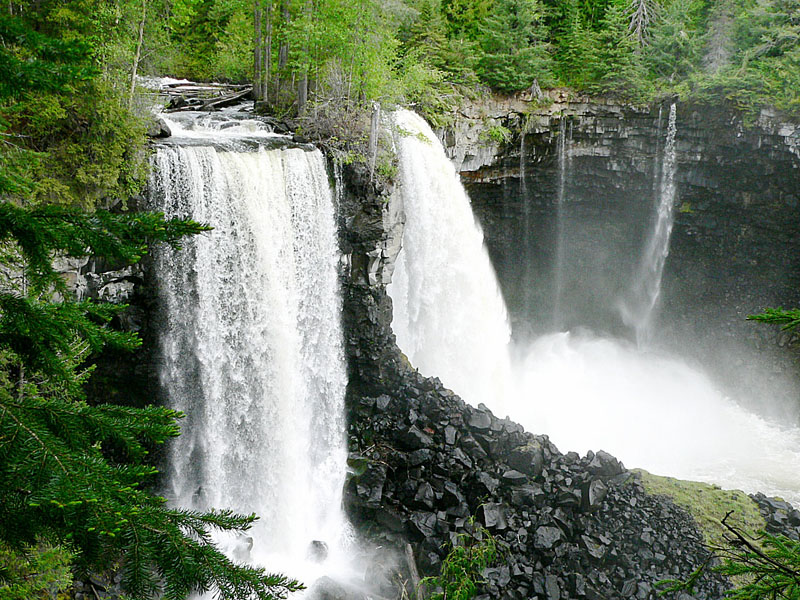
(138, 54)
(283, 50)
(257, 61)
(266, 69)
(374, 128)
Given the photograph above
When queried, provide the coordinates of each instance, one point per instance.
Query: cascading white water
(252, 348)
(449, 315)
(651, 411)
(646, 290)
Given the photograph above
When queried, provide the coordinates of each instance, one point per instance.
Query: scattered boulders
(567, 527)
(781, 517)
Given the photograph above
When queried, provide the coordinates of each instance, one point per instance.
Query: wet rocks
(782, 518)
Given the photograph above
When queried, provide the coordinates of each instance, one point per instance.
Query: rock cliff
(735, 246)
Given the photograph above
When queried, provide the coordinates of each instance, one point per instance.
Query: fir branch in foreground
(789, 319)
(772, 567)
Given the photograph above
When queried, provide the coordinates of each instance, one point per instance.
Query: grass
(708, 505)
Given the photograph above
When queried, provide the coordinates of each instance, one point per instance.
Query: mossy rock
(708, 504)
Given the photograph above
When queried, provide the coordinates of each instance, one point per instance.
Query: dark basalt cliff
(735, 246)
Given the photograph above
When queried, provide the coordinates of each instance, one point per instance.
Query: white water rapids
(252, 348)
(651, 411)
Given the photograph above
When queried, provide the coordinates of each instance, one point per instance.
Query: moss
(708, 505)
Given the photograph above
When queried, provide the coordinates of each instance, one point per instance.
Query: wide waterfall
(251, 343)
(587, 392)
(446, 297)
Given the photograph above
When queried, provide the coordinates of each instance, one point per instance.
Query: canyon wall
(735, 246)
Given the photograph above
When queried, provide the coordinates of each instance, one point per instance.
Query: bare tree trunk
(302, 88)
(257, 42)
(302, 93)
(138, 53)
(283, 50)
(266, 69)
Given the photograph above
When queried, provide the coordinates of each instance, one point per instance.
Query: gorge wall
(735, 242)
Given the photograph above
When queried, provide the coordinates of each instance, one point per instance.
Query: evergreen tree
(675, 44)
(515, 53)
(466, 17)
(577, 52)
(618, 66)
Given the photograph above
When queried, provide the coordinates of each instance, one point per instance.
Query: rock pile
(568, 526)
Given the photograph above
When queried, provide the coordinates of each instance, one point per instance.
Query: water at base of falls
(252, 351)
(652, 412)
(649, 410)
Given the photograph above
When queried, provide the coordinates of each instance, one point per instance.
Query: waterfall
(585, 392)
(646, 290)
(558, 271)
(251, 347)
(449, 315)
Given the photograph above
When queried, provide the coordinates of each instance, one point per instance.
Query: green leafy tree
(514, 51)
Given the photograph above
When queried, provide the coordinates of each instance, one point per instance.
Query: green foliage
(497, 134)
(34, 571)
(618, 64)
(77, 474)
(771, 569)
(789, 319)
(67, 135)
(465, 17)
(676, 41)
(708, 505)
(461, 569)
(514, 53)
(74, 477)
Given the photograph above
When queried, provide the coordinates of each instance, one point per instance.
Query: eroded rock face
(735, 246)
(425, 464)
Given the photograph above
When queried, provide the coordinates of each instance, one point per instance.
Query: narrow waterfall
(586, 392)
(638, 312)
(252, 348)
(449, 315)
(561, 242)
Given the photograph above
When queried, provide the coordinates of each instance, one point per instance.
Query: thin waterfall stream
(251, 343)
(558, 271)
(586, 392)
(638, 313)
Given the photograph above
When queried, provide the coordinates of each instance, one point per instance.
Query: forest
(76, 474)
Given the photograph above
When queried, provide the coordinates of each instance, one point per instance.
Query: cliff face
(734, 246)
